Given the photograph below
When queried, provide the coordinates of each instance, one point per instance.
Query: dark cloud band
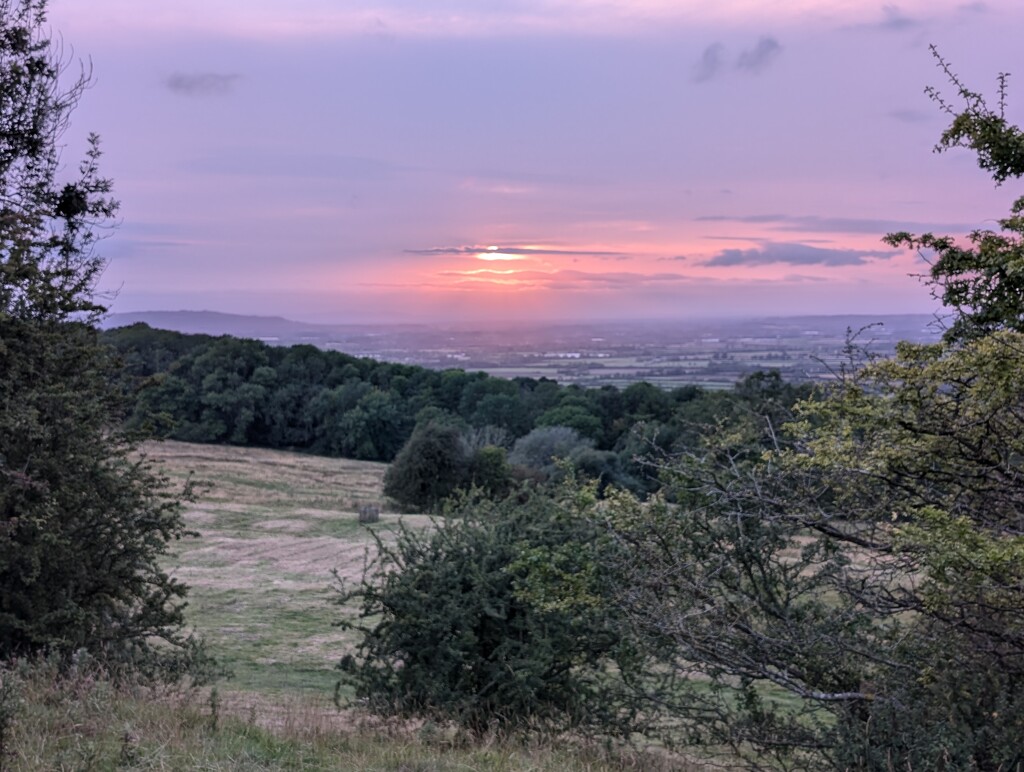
(795, 254)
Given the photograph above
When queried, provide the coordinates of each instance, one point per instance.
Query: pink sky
(626, 159)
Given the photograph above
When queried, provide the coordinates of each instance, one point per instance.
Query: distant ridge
(237, 325)
(279, 329)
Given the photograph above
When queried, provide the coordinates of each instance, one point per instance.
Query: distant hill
(238, 325)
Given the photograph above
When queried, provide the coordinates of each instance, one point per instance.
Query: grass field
(78, 723)
(272, 528)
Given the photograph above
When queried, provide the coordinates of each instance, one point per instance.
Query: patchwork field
(272, 528)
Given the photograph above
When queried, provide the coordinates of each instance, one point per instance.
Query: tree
(428, 468)
(854, 598)
(983, 284)
(83, 520)
(544, 446)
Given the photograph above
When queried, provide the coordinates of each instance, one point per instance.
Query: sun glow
(493, 254)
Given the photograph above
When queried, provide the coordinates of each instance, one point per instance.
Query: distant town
(710, 353)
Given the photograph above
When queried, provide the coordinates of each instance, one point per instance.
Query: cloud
(800, 278)
(976, 7)
(795, 254)
(202, 83)
(710, 64)
(760, 56)
(525, 251)
(893, 20)
(910, 116)
(386, 19)
(896, 20)
(122, 248)
(812, 223)
(674, 258)
(561, 280)
(513, 177)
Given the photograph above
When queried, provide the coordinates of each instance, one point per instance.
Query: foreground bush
(459, 627)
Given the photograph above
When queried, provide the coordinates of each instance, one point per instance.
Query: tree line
(199, 388)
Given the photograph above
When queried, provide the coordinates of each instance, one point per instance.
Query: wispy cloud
(759, 57)
(795, 254)
(559, 280)
(202, 83)
(800, 278)
(710, 63)
(906, 115)
(895, 20)
(476, 249)
(405, 19)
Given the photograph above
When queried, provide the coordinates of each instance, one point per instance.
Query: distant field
(273, 526)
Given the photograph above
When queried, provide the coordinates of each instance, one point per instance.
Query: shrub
(494, 620)
(428, 468)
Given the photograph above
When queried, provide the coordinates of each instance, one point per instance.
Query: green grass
(272, 527)
(81, 722)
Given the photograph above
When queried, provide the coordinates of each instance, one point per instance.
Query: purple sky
(409, 160)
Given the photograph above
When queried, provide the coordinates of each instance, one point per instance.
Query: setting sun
(493, 254)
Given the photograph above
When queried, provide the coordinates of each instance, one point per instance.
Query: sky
(487, 160)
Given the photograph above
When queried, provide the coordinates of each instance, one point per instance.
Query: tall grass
(83, 720)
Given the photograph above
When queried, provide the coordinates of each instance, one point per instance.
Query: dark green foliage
(458, 628)
(981, 283)
(851, 592)
(541, 449)
(961, 710)
(83, 521)
(428, 469)
(852, 600)
(199, 388)
(576, 417)
(998, 144)
(489, 472)
(83, 525)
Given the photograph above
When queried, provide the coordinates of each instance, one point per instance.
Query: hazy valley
(713, 353)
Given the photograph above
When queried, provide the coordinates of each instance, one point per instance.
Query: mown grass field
(272, 528)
